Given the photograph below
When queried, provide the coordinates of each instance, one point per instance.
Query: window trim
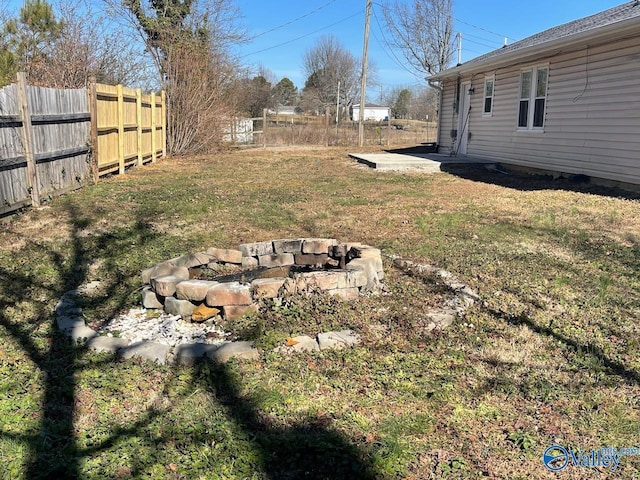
(534, 69)
(489, 78)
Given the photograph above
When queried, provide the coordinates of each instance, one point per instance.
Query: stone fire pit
(259, 270)
(188, 292)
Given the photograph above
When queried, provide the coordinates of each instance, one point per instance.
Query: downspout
(440, 90)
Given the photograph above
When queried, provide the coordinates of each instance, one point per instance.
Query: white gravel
(136, 326)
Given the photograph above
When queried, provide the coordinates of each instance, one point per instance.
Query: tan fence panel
(130, 124)
(126, 132)
(107, 125)
(146, 127)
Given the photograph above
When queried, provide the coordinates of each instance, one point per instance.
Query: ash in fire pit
(202, 285)
(248, 276)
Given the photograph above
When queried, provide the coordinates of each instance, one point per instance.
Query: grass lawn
(550, 355)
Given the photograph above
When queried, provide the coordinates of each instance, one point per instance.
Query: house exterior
(566, 100)
(284, 110)
(372, 112)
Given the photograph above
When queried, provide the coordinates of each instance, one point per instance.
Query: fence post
(139, 124)
(93, 109)
(120, 129)
(153, 127)
(163, 97)
(27, 138)
(326, 126)
(264, 128)
(234, 124)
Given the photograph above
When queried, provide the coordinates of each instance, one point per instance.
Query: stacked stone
(349, 270)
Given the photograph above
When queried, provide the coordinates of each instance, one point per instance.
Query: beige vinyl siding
(593, 131)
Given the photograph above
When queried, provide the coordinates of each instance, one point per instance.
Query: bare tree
(326, 64)
(423, 31)
(66, 47)
(418, 102)
(424, 103)
(198, 85)
(87, 47)
(189, 41)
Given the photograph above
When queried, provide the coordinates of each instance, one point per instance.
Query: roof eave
(537, 51)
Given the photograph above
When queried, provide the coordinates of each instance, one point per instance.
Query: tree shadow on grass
(630, 376)
(53, 448)
(308, 449)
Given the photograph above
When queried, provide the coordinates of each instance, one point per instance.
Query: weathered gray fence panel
(14, 191)
(60, 122)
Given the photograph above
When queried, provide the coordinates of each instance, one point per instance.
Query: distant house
(371, 112)
(284, 110)
(564, 100)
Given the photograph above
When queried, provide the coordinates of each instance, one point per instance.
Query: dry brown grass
(305, 130)
(550, 354)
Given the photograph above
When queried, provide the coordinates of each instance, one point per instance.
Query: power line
(479, 38)
(302, 36)
(392, 54)
(470, 25)
(478, 43)
(293, 21)
(483, 29)
(389, 50)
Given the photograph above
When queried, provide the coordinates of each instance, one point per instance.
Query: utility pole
(363, 82)
(459, 48)
(337, 111)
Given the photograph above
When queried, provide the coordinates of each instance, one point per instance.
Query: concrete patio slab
(424, 162)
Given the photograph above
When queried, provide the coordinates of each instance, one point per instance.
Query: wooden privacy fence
(128, 129)
(54, 140)
(44, 145)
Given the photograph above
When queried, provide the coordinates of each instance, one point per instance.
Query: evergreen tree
(400, 108)
(285, 92)
(26, 42)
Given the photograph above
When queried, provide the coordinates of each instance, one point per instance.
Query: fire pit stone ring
(259, 270)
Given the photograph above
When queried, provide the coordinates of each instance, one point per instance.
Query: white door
(463, 126)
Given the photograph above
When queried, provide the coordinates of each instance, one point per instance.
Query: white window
(533, 98)
(487, 109)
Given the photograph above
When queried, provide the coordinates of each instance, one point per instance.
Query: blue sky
(483, 26)
(284, 29)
